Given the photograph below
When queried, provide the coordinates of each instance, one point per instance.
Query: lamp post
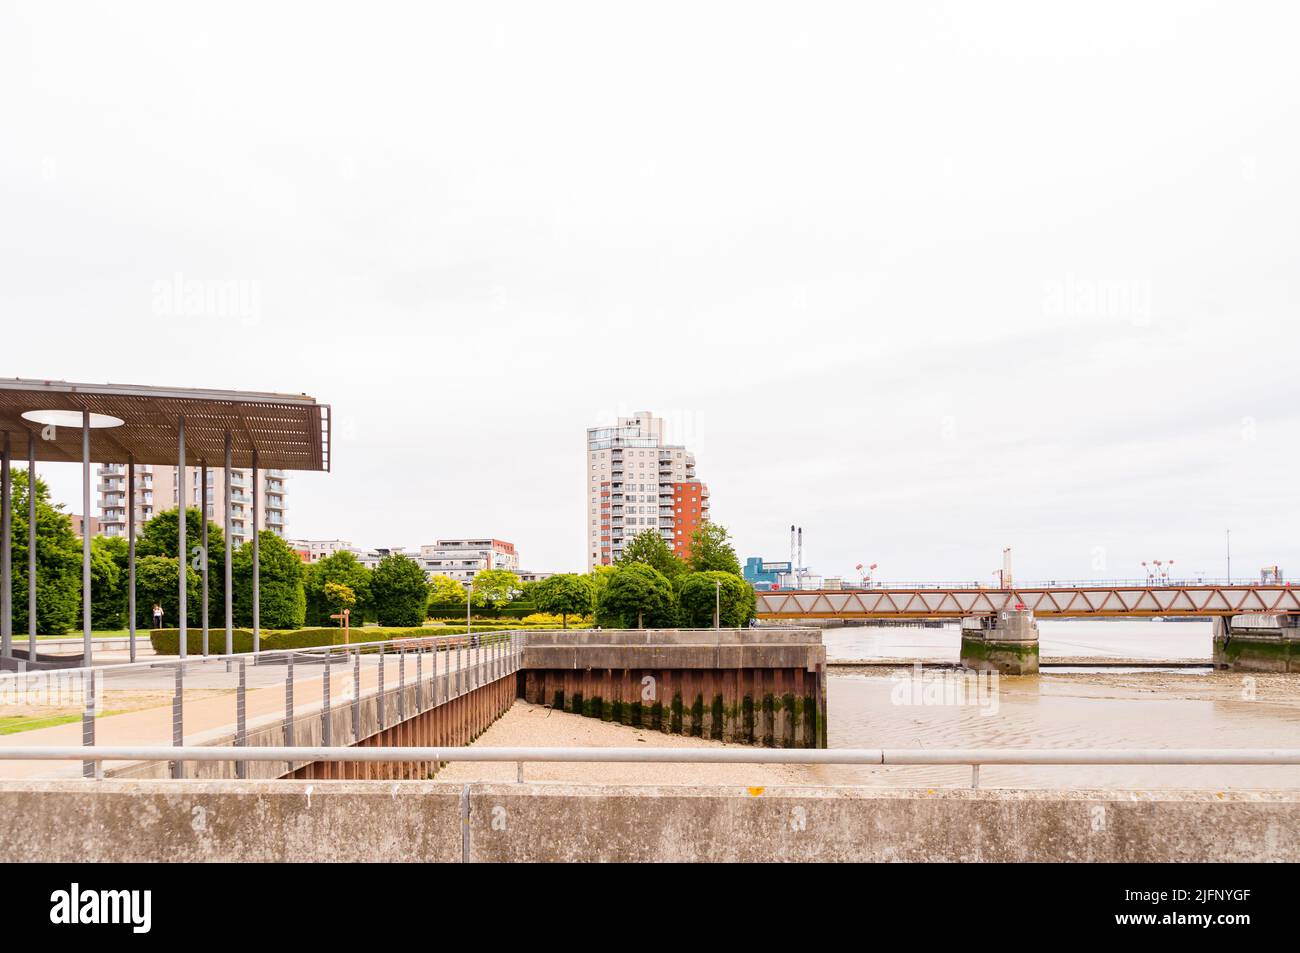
(469, 602)
(717, 603)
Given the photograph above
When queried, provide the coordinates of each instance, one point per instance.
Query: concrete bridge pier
(1006, 643)
(1257, 647)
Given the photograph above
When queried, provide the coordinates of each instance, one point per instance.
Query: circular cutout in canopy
(71, 418)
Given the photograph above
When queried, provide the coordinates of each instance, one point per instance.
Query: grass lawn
(20, 637)
(11, 726)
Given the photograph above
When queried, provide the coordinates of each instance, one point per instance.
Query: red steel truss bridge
(957, 603)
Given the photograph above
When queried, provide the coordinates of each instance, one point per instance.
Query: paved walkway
(209, 713)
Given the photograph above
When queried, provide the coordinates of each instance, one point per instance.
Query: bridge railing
(1142, 583)
(219, 698)
(973, 758)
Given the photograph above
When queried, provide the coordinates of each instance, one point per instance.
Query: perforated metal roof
(288, 431)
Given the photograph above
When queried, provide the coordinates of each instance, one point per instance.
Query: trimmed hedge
(515, 610)
(167, 641)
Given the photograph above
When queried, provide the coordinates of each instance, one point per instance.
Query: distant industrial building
(762, 574)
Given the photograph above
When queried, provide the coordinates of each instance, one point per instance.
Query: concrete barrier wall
(754, 686)
(421, 821)
(455, 722)
(430, 709)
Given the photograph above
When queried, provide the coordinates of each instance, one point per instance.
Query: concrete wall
(455, 722)
(754, 686)
(421, 821)
(1249, 649)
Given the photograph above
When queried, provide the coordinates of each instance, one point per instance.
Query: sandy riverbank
(527, 725)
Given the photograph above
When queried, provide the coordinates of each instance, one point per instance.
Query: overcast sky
(927, 279)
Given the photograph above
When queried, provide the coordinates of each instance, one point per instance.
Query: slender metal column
(257, 572)
(85, 539)
(130, 550)
(181, 622)
(6, 552)
(203, 536)
(229, 589)
(379, 695)
(31, 548)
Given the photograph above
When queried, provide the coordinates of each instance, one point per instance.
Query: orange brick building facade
(690, 509)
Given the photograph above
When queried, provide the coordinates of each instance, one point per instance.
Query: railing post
(241, 719)
(326, 737)
(178, 718)
(401, 684)
(419, 679)
(88, 768)
(356, 697)
(288, 705)
(380, 695)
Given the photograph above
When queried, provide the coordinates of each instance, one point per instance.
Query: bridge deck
(920, 603)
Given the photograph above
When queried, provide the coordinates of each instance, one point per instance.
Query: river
(1140, 708)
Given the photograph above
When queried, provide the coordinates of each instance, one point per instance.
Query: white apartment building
(631, 472)
(318, 549)
(461, 559)
(155, 491)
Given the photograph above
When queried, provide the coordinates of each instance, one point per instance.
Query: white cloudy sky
(928, 279)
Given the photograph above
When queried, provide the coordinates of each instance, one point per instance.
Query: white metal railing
(468, 661)
(973, 758)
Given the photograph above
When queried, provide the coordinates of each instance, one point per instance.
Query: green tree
(600, 576)
(711, 551)
(700, 592)
(108, 582)
(157, 582)
(564, 595)
(493, 588)
(649, 548)
(282, 600)
(339, 597)
(157, 537)
(344, 569)
(399, 591)
(58, 562)
(636, 595)
(445, 591)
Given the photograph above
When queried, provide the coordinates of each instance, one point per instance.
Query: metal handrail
(644, 755)
(973, 758)
(170, 661)
(1180, 583)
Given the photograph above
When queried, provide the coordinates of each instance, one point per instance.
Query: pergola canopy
(288, 431)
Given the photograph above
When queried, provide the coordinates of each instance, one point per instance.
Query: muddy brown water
(1141, 708)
